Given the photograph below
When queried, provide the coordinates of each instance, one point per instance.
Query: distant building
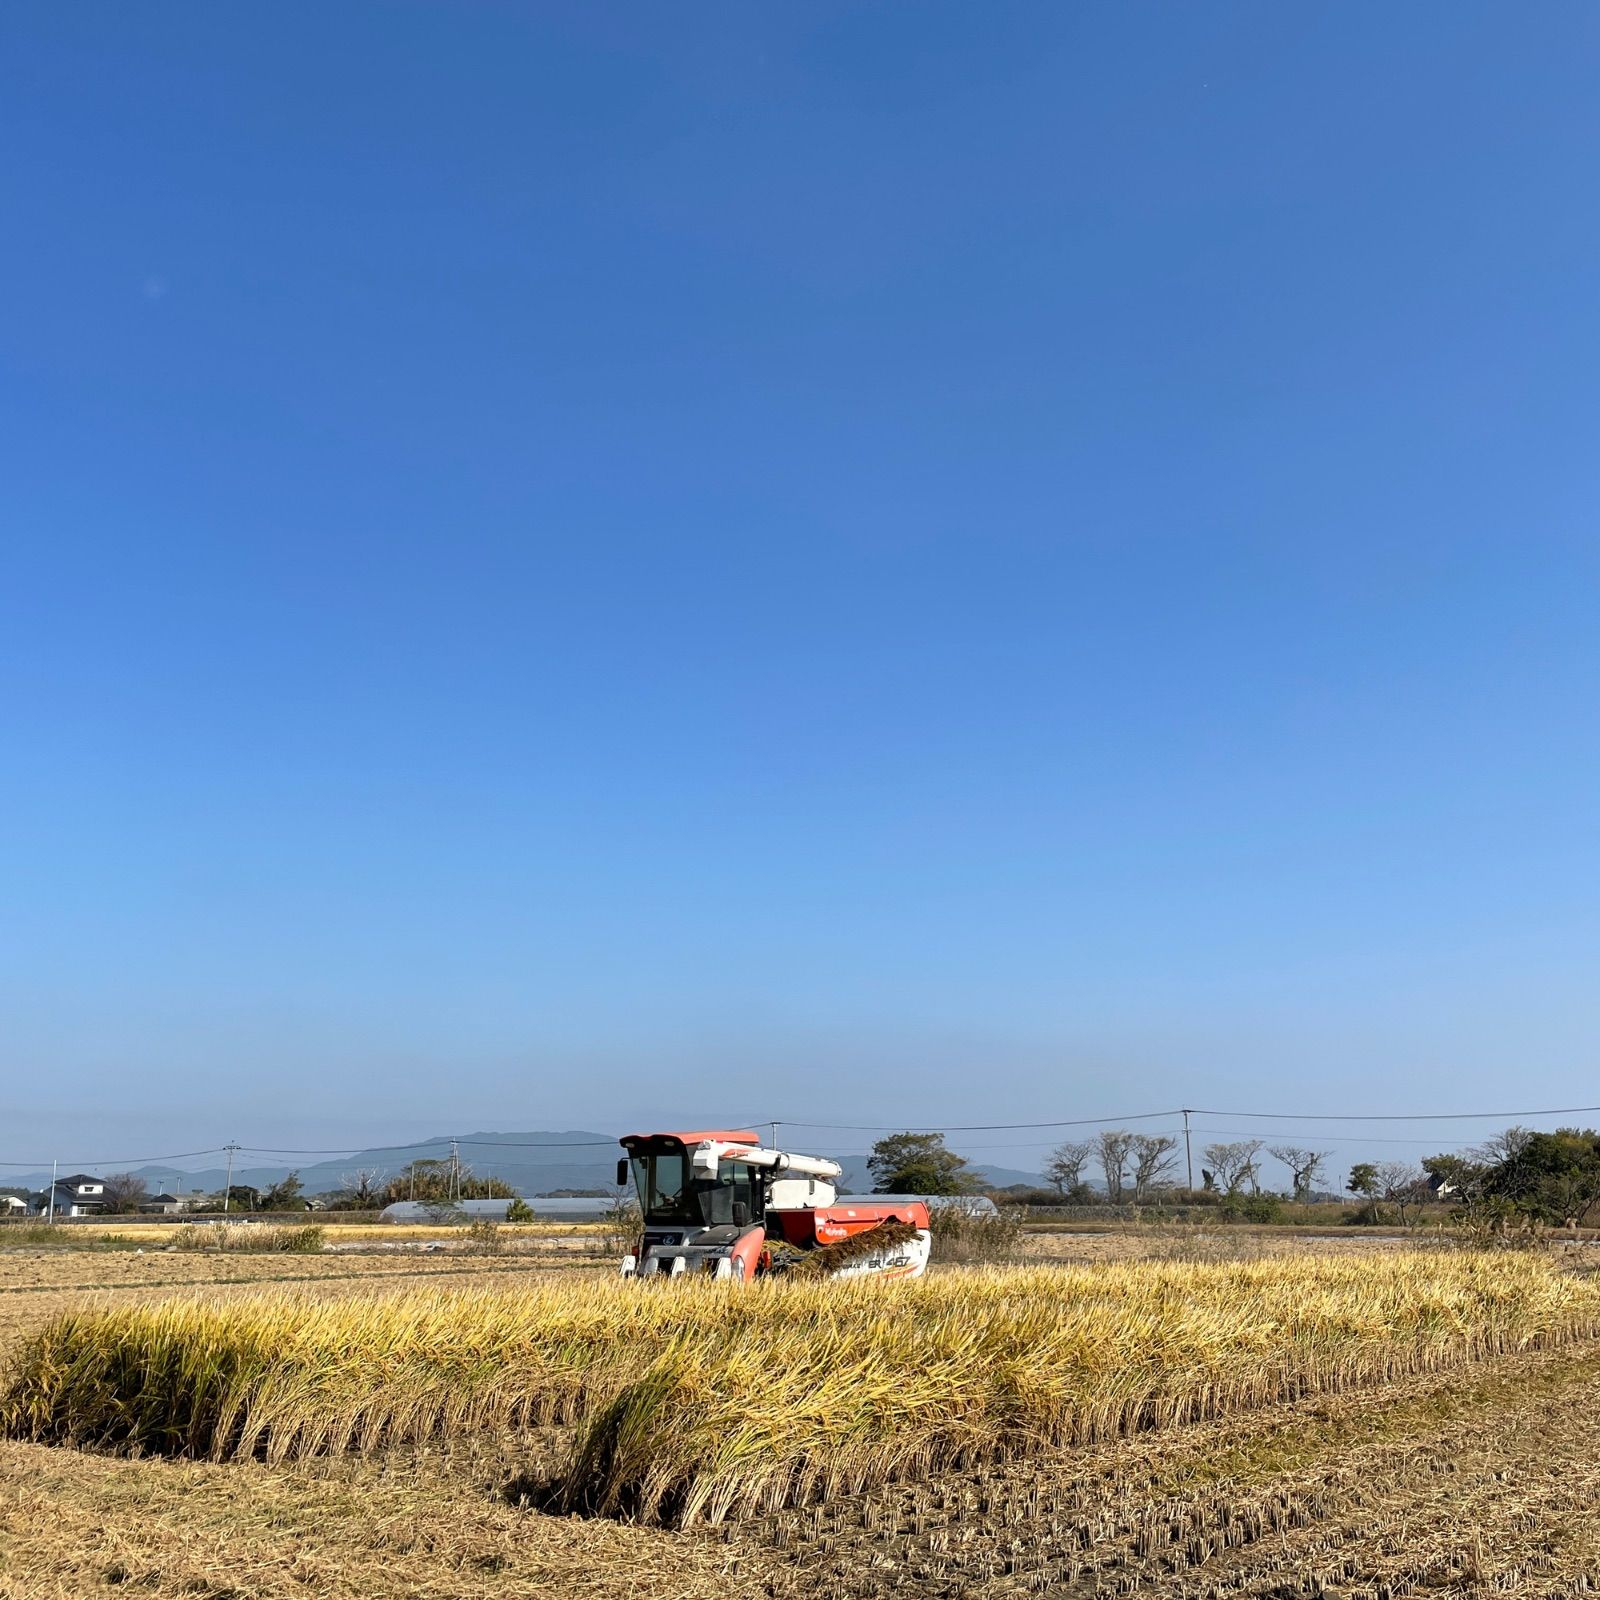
(77, 1196)
(163, 1205)
(11, 1204)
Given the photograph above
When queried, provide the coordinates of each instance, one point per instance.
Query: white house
(77, 1196)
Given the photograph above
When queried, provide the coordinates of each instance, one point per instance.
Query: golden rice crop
(698, 1399)
(283, 1374)
(955, 1370)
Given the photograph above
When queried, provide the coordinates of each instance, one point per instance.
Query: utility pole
(51, 1217)
(1188, 1149)
(227, 1188)
(774, 1135)
(455, 1170)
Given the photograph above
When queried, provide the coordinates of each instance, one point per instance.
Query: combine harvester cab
(717, 1203)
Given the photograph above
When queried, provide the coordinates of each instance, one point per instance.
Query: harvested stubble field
(34, 1289)
(93, 1237)
(1186, 1429)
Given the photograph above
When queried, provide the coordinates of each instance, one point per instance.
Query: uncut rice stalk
(702, 1401)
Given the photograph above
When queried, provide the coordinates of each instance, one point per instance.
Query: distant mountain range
(533, 1163)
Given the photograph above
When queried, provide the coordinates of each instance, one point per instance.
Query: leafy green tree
(284, 1195)
(433, 1182)
(1455, 1175)
(1552, 1176)
(1364, 1181)
(919, 1163)
(519, 1211)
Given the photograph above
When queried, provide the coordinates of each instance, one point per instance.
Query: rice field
(697, 1402)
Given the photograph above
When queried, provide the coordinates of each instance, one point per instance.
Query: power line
(1197, 1111)
(423, 1144)
(972, 1127)
(1338, 1138)
(114, 1161)
(879, 1127)
(1389, 1116)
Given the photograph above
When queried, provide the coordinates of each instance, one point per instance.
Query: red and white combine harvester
(716, 1202)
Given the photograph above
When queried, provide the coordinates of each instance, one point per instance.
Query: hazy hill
(532, 1163)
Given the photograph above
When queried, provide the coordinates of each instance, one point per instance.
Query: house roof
(77, 1179)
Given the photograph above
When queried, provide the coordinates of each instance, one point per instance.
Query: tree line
(1136, 1167)
(1552, 1178)
(429, 1182)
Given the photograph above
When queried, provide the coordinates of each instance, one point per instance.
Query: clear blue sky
(593, 565)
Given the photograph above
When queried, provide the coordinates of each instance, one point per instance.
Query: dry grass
(250, 1238)
(961, 1238)
(77, 1526)
(89, 1283)
(699, 1400)
(28, 1276)
(156, 1234)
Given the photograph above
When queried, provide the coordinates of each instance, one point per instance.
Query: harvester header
(717, 1201)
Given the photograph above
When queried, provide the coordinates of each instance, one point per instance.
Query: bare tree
(1235, 1164)
(124, 1191)
(1065, 1167)
(1401, 1184)
(1504, 1148)
(1152, 1160)
(1507, 1155)
(1116, 1145)
(362, 1188)
(1305, 1166)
